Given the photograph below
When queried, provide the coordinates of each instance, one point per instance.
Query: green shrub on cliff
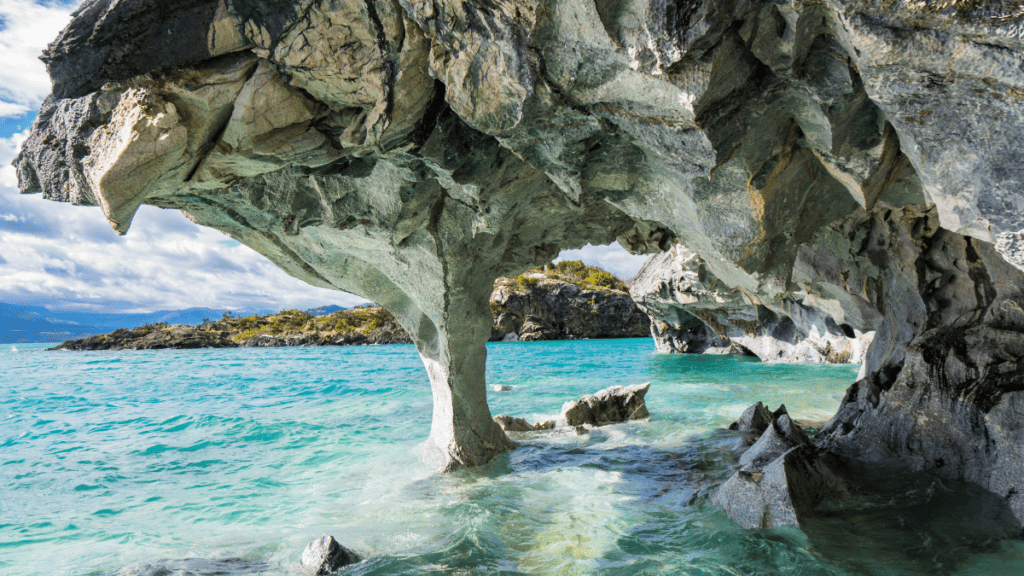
(585, 276)
(361, 319)
(574, 272)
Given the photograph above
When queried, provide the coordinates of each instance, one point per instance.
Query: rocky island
(840, 167)
(564, 301)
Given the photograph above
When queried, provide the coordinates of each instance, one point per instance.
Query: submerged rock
(781, 479)
(324, 555)
(511, 424)
(608, 406)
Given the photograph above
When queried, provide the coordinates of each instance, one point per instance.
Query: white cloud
(26, 27)
(612, 258)
(68, 257)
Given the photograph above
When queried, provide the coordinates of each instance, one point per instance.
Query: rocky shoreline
(554, 304)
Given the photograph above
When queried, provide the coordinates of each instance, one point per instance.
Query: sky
(67, 257)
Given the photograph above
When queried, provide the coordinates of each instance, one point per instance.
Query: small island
(568, 300)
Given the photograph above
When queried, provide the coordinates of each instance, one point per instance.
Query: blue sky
(67, 258)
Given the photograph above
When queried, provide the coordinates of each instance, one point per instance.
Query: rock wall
(693, 312)
(412, 151)
(553, 310)
(941, 387)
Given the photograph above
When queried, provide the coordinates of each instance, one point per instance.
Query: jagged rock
(787, 489)
(614, 404)
(780, 480)
(324, 555)
(412, 152)
(755, 419)
(777, 439)
(510, 424)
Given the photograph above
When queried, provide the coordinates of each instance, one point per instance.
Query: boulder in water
(615, 404)
(324, 555)
(781, 479)
(512, 424)
(754, 419)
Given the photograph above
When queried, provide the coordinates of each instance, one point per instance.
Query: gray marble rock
(512, 424)
(756, 419)
(692, 312)
(780, 479)
(608, 406)
(324, 556)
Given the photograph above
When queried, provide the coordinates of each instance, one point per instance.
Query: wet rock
(614, 404)
(781, 479)
(754, 419)
(512, 424)
(196, 567)
(324, 555)
(502, 388)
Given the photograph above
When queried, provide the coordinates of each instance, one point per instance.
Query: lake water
(208, 462)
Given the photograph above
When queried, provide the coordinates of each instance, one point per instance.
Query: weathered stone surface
(412, 151)
(324, 555)
(554, 310)
(781, 493)
(755, 419)
(614, 404)
(693, 312)
(512, 424)
(780, 479)
(941, 387)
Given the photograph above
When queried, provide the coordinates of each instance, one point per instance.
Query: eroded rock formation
(780, 480)
(412, 151)
(691, 311)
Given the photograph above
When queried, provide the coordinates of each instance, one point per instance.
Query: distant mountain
(37, 324)
(325, 310)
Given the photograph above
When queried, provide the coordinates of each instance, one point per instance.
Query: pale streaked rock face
(412, 151)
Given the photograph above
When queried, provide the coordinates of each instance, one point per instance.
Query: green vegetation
(572, 271)
(358, 320)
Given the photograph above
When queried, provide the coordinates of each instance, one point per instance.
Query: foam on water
(229, 461)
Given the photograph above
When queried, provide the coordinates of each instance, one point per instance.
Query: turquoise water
(229, 461)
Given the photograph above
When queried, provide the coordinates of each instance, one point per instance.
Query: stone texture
(557, 310)
(512, 424)
(412, 151)
(608, 406)
(324, 555)
(756, 419)
(940, 389)
(693, 312)
(780, 479)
